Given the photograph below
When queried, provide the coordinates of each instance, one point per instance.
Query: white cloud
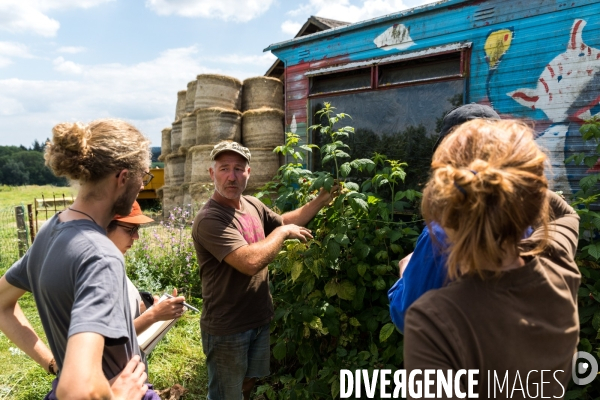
(235, 10)
(28, 16)
(13, 49)
(264, 60)
(291, 27)
(69, 67)
(144, 93)
(71, 49)
(10, 50)
(345, 10)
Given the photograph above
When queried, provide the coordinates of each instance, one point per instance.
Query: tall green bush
(330, 294)
(585, 202)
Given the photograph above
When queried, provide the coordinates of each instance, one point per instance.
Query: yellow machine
(157, 182)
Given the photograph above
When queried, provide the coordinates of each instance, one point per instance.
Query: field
(178, 358)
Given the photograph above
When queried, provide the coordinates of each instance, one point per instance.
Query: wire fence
(9, 236)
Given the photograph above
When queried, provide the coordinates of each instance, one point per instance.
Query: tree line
(20, 165)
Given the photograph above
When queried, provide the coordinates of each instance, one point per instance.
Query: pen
(184, 303)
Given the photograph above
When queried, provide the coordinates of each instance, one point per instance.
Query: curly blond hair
(486, 188)
(90, 152)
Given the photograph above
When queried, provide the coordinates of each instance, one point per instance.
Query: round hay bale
(218, 91)
(186, 200)
(200, 162)
(160, 193)
(176, 136)
(215, 124)
(187, 175)
(165, 144)
(188, 131)
(190, 96)
(263, 166)
(263, 128)
(167, 172)
(201, 192)
(176, 169)
(262, 91)
(168, 199)
(181, 102)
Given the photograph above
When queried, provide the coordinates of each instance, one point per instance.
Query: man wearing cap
(425, 268)
(236, 237)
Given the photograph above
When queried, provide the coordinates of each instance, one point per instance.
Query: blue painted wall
(548, 70)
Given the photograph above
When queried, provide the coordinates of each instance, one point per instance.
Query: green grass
(178, 358)
(11, 196)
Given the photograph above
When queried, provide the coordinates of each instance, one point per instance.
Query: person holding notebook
(123, 231)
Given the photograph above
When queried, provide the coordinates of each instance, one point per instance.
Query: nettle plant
(585, 202)
(330, 294)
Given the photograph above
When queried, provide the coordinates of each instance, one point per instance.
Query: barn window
(399, 112)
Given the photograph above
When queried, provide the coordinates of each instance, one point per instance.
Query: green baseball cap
(228, 145)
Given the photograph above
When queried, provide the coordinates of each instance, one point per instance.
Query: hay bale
(262, 91)
(200, 162)
(263, 128)
(168, 199)
(200, 193)
(186, 200)
(176, 168)
(215, 124)
(263, 166)
(187, 174)
(165, 144)
(176, 136)
(190, 97)
(188, 131)
(218, 91)
(167, 172)
(181, 102)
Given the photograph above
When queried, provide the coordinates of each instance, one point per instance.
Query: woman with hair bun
(77, 275)
(511, 307)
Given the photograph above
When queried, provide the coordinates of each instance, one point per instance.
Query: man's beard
(124, 203)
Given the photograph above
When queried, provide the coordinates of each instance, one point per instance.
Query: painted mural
(537, 61)
(566, 91)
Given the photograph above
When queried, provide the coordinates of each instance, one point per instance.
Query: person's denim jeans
(231, 358)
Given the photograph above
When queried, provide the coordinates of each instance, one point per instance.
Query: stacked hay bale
(262, 127)
(212, 109)
(207, 112)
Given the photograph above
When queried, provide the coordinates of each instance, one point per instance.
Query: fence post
(30, 216)
(21, 230)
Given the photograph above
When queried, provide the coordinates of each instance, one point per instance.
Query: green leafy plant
(330, 294)
(585, 202)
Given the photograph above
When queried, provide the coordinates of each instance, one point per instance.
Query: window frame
(464, 60)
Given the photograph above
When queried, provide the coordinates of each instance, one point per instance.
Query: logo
(584, 369)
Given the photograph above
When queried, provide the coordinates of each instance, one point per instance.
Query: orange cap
(135, 216)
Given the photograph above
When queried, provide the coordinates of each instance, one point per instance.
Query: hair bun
(72, 137)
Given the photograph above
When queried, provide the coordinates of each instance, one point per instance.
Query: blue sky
(78, 60)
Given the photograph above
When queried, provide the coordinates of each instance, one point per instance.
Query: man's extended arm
(252, 258)
(17, 328)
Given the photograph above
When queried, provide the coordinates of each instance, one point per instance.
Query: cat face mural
(564, 81)
(566, 91)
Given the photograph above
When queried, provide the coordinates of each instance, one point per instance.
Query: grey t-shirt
(77, 277)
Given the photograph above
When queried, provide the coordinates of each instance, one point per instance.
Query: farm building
(399, 74)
